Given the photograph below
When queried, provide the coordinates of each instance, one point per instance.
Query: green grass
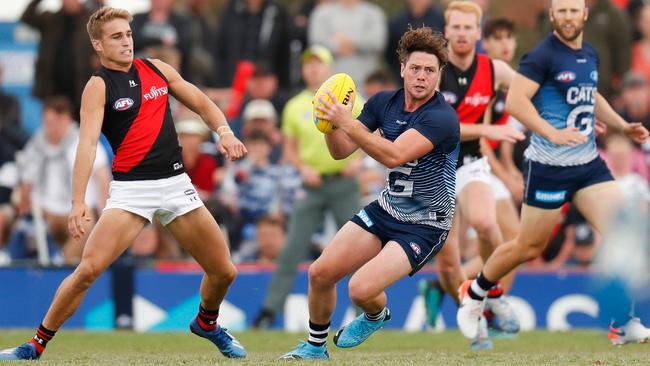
(383, 348)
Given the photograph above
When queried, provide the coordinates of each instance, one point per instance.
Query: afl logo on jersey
(450, 97)
(565, 77)
(123, 104)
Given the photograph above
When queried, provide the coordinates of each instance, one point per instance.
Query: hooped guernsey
(138, 123)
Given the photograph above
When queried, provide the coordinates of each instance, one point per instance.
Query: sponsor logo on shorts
(189, 192)
(123, 104)
(365, 218)
(550, 197)
(415, 247)
(178, 166)
(565, 77)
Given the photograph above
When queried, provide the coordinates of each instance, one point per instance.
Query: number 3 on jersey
(401, 187)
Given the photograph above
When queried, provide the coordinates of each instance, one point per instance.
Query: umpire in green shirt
(328, 184)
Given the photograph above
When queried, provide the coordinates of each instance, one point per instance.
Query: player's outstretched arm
(605, 113)
(92, 116)
(475, 131)
(498, 133)
(197, 101)
(520, 106)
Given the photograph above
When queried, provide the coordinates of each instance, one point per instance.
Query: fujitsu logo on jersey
(477, 99)
(155, 92)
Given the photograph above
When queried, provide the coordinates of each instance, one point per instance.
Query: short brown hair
(59, 104)
(423, 40)
(494, 26)
(102, 16)
(269, 220)
(464, 6)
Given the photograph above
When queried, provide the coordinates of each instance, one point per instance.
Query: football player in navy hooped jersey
(407, 225)
(127, 100)
(554, 95)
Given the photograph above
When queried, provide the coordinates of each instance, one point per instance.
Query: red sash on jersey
(145, 128)
(479, 94)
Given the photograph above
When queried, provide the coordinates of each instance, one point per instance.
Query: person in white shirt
(45, 171)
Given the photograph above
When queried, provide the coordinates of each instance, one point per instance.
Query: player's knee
(229, 273)
(532, 251)
(319, 276)
(225, 276)
(484, 226)
(360, 292)
(447, 268)
(85, 275)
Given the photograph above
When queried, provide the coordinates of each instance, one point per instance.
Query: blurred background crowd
(260, 61)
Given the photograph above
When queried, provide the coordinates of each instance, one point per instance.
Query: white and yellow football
(342, 86)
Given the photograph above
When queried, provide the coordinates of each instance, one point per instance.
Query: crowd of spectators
(261, 62)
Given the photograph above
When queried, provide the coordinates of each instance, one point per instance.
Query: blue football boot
(307, 351)
(359, 330)
(225, 342)
(25, 351)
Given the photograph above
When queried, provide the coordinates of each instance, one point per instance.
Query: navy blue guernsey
(421, 191)
(566, 96)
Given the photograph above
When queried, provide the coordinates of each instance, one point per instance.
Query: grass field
(383, 348)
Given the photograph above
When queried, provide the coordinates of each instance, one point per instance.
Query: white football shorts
(499, 188)
(475, 171)
(165, 199)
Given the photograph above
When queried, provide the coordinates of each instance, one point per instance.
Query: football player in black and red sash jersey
(127, 100)
(469, 83)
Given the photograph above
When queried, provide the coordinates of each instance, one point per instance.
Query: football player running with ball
(554, 95)
(408, 224)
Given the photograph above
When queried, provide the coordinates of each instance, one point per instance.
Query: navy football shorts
(549, 186)
(420, 242)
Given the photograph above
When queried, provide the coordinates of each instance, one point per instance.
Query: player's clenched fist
(231, 147)
(636, 132)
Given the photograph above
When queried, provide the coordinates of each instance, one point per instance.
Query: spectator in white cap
(260, 115)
